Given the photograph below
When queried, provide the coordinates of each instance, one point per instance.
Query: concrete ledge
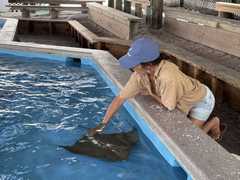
(121, 24)
(114, 41)
(7, 33)
(42, 20)
(55, 1)
(211, 31)
(196, 152)
(37, 7)
(203, 19)
(90, 36)
(228, 7)
(114, 13)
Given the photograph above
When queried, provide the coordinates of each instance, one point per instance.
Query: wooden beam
(157, 10)
(228, 7)
(138, 10)
(181, 3)
(226, 10)
(119, 23)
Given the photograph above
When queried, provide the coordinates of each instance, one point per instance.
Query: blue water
(2, 22)
(44, 104)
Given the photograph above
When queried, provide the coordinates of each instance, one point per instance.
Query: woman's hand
(98, 129)
(112, 109)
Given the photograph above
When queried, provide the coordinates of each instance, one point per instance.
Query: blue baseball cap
(142, 50)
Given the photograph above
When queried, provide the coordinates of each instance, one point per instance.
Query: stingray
(113, 147)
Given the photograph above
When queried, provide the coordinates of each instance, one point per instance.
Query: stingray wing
(112, 147)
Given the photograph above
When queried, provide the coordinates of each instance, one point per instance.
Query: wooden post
(148, 15)
(31, 27)
(144, 13)
(82, 42)
(50, 28)
(78, 37)
(127, 6)
(53, 13)
(134, 30)
(71, 31)
(157, 10)
(25, 13)
(195, 72)
(216, 90)
(138, 10)
(181, 3)
(111, 3)
(83, 4)
(214, 85)
(98, 45)
(225, 14)
(118, 4)
(180, 64)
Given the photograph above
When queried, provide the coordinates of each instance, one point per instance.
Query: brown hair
(158, 60)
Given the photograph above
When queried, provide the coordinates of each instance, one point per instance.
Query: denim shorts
(203, 109)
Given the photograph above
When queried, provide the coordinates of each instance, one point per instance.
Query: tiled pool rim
(2, 22)
(198, 154)
(8, 31)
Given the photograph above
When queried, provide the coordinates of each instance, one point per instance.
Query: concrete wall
(216, 38)
(121, 24)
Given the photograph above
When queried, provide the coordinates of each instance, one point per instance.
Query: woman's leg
(211, 127)
(200, 113)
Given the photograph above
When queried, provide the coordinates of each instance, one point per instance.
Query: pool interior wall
(139, 121)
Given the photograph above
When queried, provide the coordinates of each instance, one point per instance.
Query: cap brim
(128, 62)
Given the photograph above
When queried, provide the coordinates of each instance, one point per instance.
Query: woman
(169, 86)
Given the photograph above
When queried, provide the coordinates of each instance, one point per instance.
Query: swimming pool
(49, 103)
(2, 22)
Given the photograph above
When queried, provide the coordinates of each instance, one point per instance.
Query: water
(2, 22)
(45, 104)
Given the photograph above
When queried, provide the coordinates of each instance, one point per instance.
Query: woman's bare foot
(213, 128)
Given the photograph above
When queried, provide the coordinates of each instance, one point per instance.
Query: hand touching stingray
(98, 129)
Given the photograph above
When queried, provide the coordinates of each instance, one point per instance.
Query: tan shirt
(172, 87)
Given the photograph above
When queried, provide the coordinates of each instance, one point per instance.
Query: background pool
(44, 104)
